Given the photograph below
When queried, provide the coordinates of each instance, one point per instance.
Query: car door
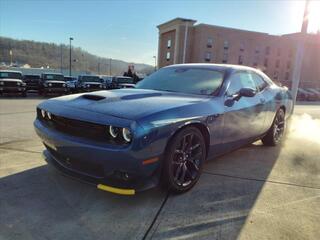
(266, 102)
(241, 118)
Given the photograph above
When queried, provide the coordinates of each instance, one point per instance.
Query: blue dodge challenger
(163, 130)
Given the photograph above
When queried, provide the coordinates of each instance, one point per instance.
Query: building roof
(177, 19)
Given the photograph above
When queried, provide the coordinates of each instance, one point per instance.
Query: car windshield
(125, 80)
(193, 80)
(12, 75)
(58, 77)
(90, 79)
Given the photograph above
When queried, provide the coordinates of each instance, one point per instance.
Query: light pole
(70, 39)
(155, 63)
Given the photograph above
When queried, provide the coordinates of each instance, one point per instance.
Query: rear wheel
(184, 159)
(275, 133)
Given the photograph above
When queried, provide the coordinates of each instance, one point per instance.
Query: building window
(255, 64)
(287, 76)
(267, 50)
(241, 47)
(265, 62)
(225, 57)
(275, 75)
(278, 63)
(209, 42)
(288, 64)
(257, 50)
(240, 60)
(278, 52)
(226, 45)
(207, 56)
(169, 43)
(168, 56)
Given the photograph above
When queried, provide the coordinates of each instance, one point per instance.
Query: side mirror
(247, 92)
(244, 92)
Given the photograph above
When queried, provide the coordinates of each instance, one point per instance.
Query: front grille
(11, 84)
(78, 128)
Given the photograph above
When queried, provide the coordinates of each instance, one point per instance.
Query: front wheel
(275, 133)
(184, 159)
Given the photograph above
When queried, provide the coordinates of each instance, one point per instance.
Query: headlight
(63, 85)
(50, 84)
(126, 133)
(49, 115)
(43, 113)
(114, 131)
(87, 85)
(100, 86)
(18, 83)
(1, 83)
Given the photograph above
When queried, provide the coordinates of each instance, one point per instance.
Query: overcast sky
(127, 29)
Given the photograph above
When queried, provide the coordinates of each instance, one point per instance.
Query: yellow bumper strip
(116, 190)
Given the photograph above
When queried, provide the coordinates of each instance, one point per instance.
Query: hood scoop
(93, 97)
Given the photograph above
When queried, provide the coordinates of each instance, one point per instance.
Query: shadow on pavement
(42, 204)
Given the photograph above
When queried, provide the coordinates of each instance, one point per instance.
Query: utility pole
(70, 39)
(299, 53)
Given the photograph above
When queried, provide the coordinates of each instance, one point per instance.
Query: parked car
(11, 82)
(53, 83)
(107, 81)
(33, 82)
(89, 83)
(122, 82)
(164, 129)
(71, 83)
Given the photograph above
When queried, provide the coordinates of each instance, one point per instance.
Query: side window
(238, 81)
(259, 81)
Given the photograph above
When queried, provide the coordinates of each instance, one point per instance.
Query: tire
(184, 158)
(276, 132)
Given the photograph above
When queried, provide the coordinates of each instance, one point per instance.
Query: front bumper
(102, 165)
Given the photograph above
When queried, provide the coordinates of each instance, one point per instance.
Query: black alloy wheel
(184, 160)
(276, 132)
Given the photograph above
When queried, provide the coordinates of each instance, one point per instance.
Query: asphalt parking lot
(253, 193)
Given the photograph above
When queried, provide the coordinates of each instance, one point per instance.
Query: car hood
(130, 104)
(11, 80)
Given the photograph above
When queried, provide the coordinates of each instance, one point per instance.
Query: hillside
(40, 54)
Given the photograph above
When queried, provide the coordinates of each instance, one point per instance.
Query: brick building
(183, 41)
